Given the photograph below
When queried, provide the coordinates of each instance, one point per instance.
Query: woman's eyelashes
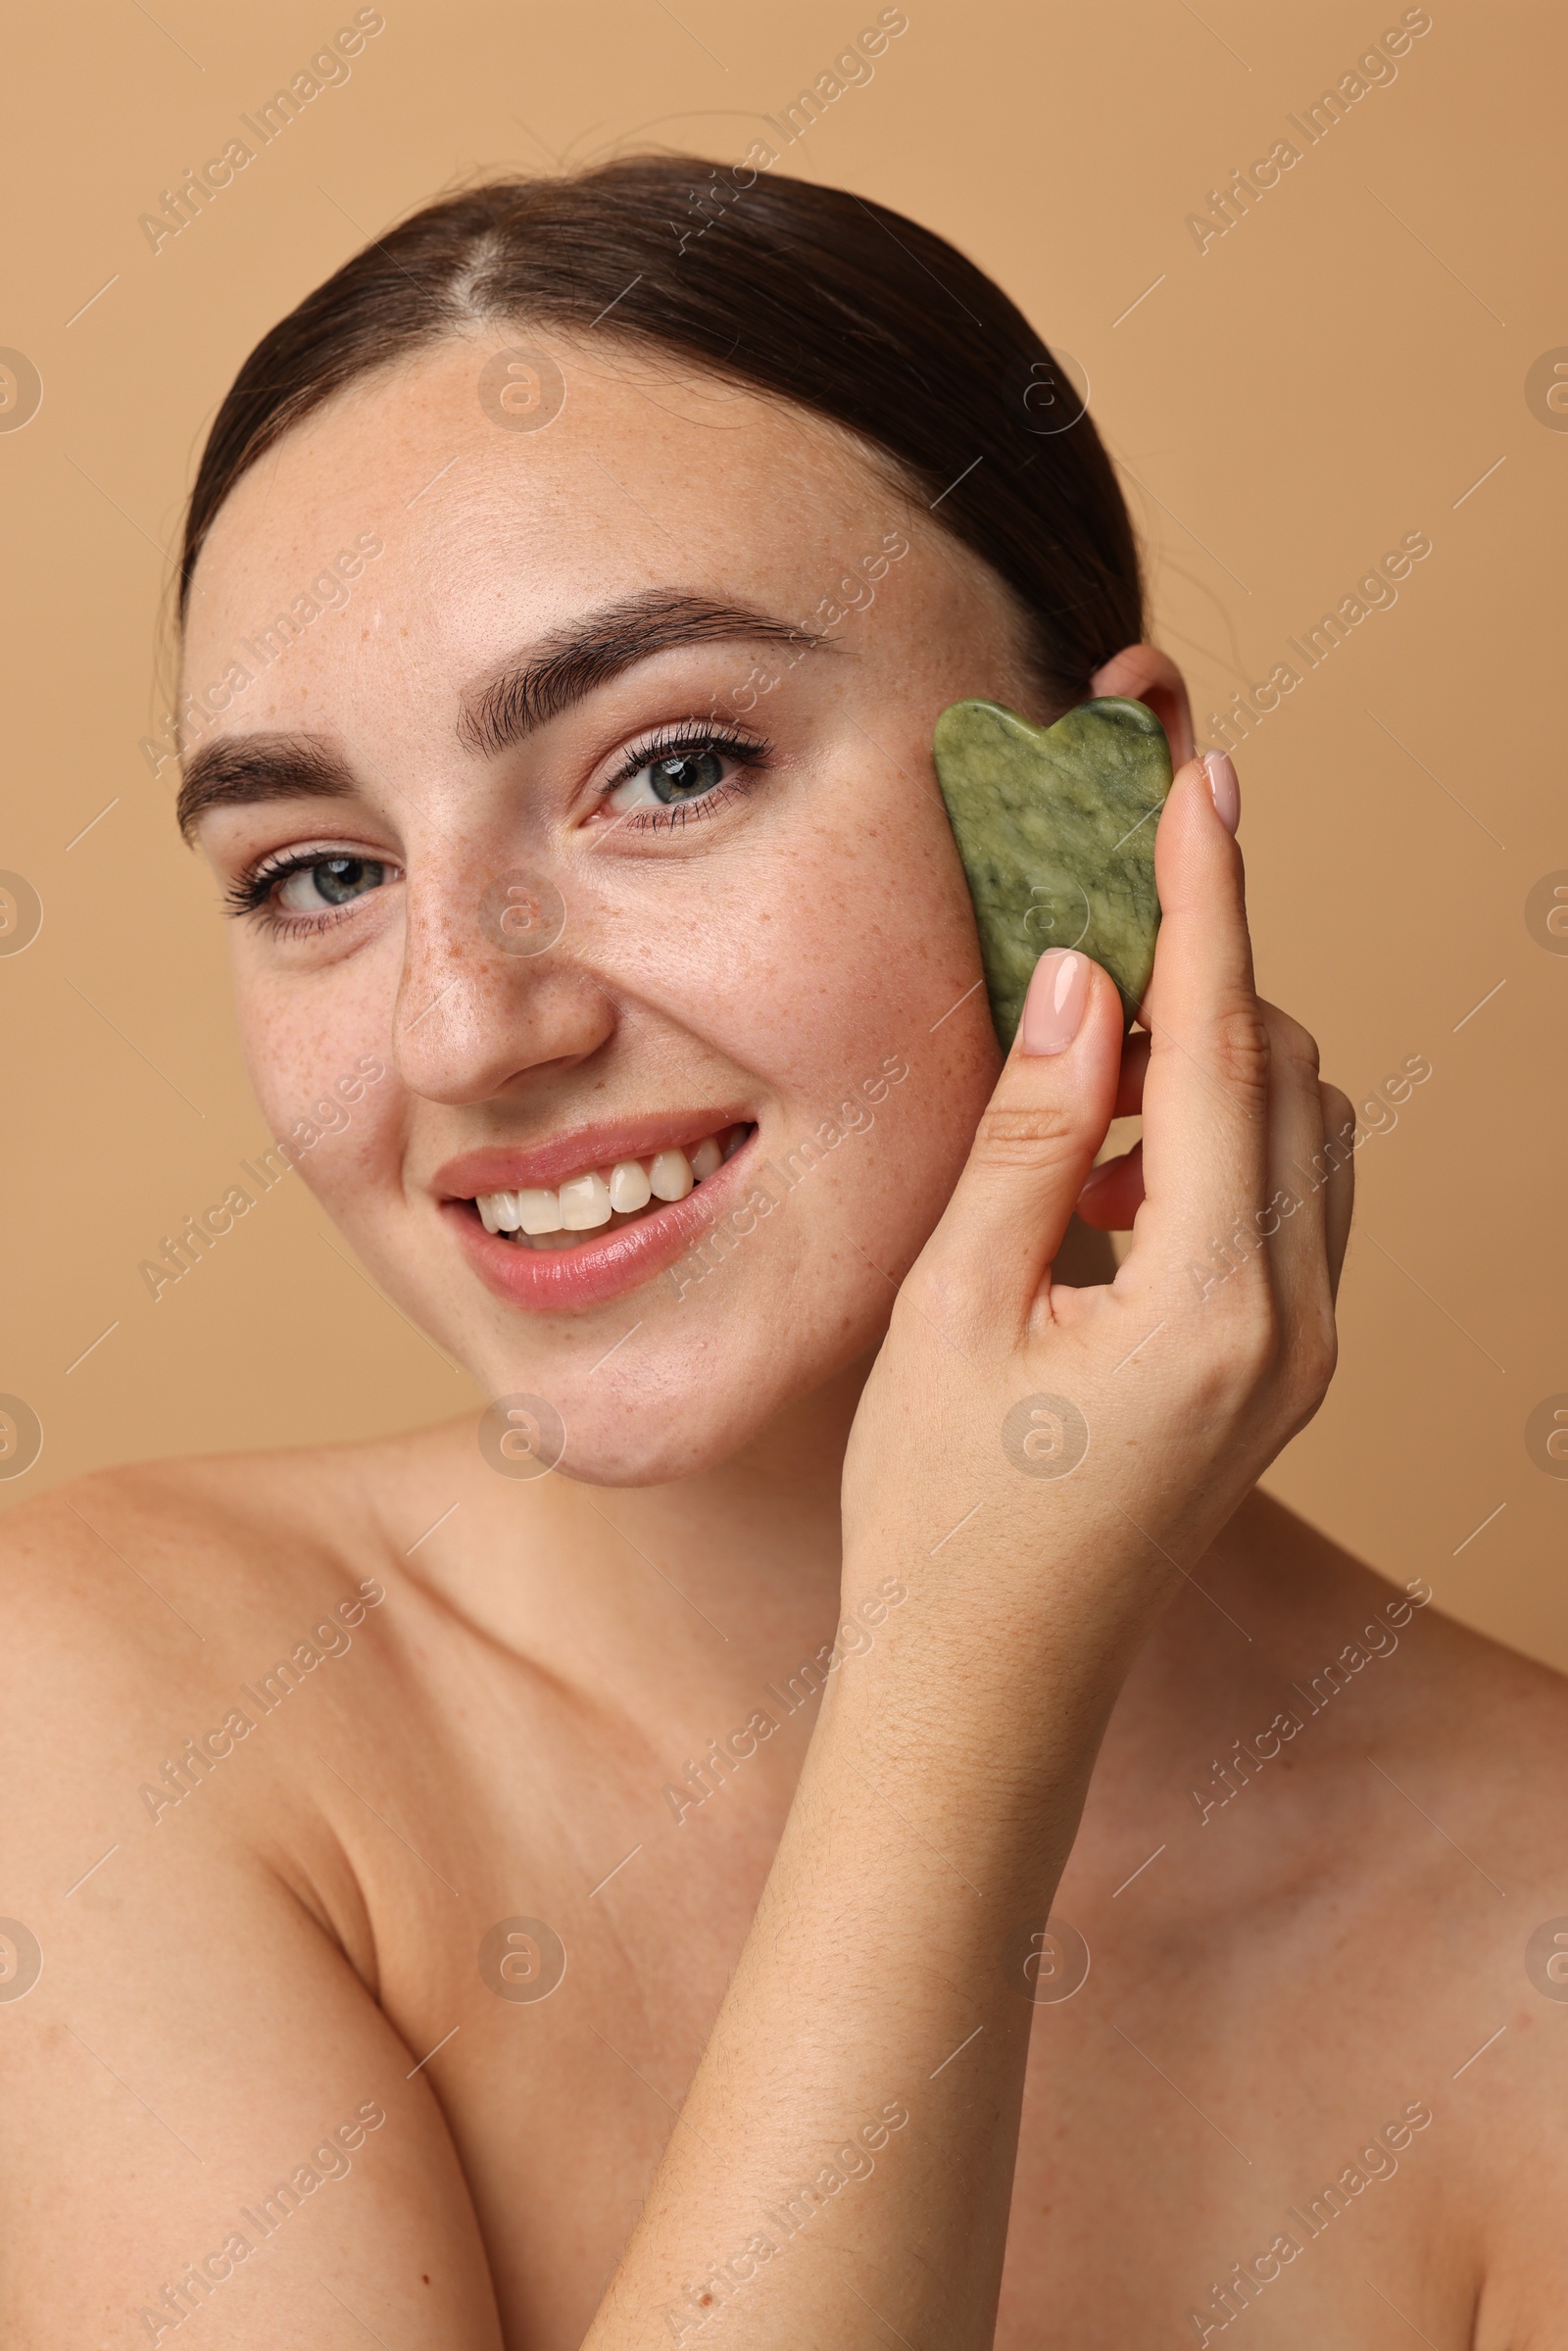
(671, 779)
(683, 774)
(306, 890)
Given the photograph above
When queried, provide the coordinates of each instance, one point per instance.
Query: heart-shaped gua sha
(1056, 828)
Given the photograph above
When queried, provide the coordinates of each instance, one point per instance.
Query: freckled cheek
(790, 999)
(846, 963)
(304, 1051)
(907, 956)
(354, 1172)
(886, 929)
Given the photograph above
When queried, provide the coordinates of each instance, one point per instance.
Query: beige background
(1337, 370)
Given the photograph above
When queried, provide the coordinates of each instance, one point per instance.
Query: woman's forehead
(637, 474)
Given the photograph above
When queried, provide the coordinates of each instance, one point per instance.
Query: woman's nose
(493, 985)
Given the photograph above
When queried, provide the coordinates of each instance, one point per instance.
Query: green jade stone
(1056, 828)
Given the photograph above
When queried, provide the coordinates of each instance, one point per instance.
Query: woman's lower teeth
(603, 1199)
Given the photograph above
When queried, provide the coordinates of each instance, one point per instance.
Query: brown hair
(787, 288)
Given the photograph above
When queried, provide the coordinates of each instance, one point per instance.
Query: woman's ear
(1142, 673)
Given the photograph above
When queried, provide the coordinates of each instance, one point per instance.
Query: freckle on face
(772, 959)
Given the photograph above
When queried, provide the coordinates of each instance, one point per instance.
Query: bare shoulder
(1476, 1766)
(1339, 1629)
(1426, 1764)
(132, 1565)
(132, 1598)
(219, 1521)
(1486, 1722)
(158, 1619)
(193, 2048)
(148, 1617)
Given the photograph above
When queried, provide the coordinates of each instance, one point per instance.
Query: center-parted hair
(806, 293)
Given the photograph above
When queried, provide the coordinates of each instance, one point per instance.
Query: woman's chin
(622, 1441)
(654, 1417)
(657, 1390)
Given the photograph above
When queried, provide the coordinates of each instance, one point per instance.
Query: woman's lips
(599, 1145)
(601, 1264)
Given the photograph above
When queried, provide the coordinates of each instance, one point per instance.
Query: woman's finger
(1339, 1196)
(1290, 1224)
(1110, 1198)
(1034, 1144)
(1133, 1069)
(1114, 1193)
(1205, 1095)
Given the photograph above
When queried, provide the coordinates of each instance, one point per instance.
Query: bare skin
(821, 1966)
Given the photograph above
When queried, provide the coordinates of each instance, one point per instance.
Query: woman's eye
(328, 882)
(672, 778)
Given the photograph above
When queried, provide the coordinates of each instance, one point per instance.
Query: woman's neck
(759, 1530)
(710, 1584)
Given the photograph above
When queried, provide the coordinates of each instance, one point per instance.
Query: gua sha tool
(1056, 829)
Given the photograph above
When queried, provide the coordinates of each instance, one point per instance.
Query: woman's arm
(842, 2169)
(212, 2132)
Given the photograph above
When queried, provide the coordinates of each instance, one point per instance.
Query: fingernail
(1053, 1008)
(1226, 791)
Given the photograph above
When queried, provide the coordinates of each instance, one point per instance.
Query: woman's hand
(1030, 1468)
(1050, 1456)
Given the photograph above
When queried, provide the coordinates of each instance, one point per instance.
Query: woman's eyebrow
(521, 693)
(539, 682)
(239, 769)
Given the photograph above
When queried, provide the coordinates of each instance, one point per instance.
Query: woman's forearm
(847, 2144)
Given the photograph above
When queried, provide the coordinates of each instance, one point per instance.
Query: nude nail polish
(1053, 1008)
(1226, 791)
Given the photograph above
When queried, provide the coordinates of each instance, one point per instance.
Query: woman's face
(577, 776)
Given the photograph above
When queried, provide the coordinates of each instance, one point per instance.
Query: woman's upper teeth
(583, 1203)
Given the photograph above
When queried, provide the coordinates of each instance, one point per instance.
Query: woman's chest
(1229, 2118)
(1180, 2173)
(1167, 2187)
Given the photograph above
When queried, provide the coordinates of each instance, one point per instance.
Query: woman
(612, 1906)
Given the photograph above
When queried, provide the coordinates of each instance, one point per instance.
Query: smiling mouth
(605, 1199)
